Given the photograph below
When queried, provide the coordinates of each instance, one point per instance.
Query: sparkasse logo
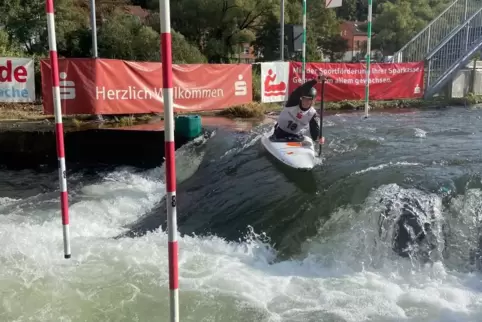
(17, 82)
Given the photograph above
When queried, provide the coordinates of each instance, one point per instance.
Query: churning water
(259, 243)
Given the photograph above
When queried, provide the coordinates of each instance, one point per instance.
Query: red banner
(347, 81)
(108, 86)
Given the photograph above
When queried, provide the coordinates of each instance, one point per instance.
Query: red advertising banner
(109, 86)
(347, 81)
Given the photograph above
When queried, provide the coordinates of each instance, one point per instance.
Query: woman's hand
(321, 77)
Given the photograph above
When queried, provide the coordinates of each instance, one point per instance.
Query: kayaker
(299, 114)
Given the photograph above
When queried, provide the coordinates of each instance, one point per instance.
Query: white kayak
(298, 155)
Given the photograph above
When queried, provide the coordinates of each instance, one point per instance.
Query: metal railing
(453, 53)
(437, 30)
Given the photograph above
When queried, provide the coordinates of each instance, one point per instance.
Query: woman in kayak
(299, 114)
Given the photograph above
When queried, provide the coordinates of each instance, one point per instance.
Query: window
(246, 50)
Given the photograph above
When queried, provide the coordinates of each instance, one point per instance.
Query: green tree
(321, 35)
(183, 51)
(123, 36)
(335, 47)
(7, 47)
(267, 41)
(398, 21)
(348, 11)
(322, 26)
(217, 27)
(205, 30)
(26, 23)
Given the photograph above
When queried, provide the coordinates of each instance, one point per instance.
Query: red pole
(59, 127)
(170, 166)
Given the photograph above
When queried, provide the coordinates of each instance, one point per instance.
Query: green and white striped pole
(303, 66)
(369, 49)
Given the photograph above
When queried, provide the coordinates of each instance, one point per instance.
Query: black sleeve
(315, 127)
(294, 98)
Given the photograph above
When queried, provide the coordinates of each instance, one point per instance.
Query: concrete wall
(20, 149)
(31, 145)
(462, 82)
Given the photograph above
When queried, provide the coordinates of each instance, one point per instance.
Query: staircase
(437, 30)
(452, 54)
(446, 44)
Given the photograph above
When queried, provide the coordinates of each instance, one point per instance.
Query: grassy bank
(13, 111)
(34, 112)
(256, 109)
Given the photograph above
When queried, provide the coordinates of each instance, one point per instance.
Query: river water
(259, 243)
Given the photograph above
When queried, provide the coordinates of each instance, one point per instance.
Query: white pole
(282, 31)
(369, 49)
(170, 152)
(59, 126)
(303, 67)
(93, 24)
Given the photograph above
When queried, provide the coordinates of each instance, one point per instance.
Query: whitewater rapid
(345, 272)
(126, 279)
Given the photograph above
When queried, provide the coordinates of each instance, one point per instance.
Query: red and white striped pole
(59, 127)
(170, 166)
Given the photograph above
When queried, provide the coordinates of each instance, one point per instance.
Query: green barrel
(188, 126)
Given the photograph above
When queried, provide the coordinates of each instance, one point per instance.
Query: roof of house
(354, 27)
(136, 11)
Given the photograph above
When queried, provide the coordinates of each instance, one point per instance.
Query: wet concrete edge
(32, 150)
(32, 145)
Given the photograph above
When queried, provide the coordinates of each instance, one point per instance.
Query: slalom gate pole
(282, 31)
(322, 108)
(369, 50)
(59, 127)
(170, 165)
(303, 64)
(93, 25)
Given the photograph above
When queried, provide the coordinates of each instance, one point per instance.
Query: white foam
(420, 133)
(246, 142)
(7, 201)
(386, 165)
(127, 279)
